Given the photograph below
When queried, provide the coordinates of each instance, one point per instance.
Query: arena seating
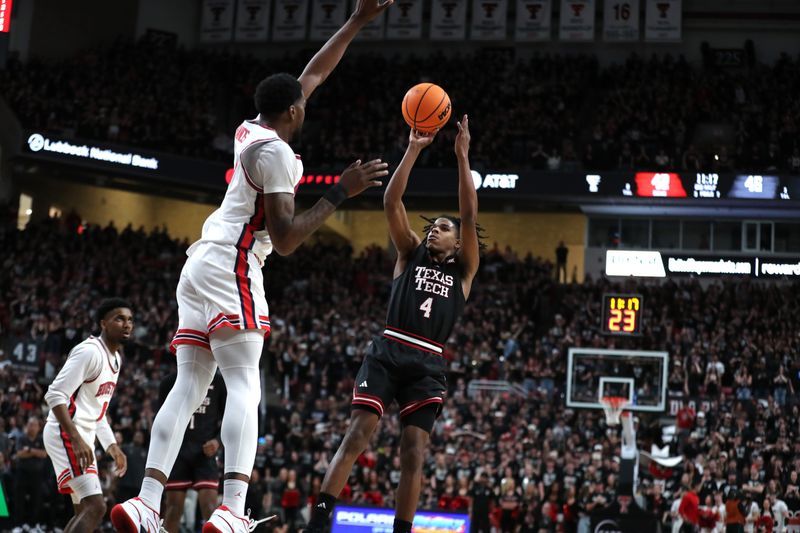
(648, 113)
(733, 345)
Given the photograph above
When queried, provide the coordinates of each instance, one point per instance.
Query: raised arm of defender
(468, 207)
(324, 61)
(288, 231)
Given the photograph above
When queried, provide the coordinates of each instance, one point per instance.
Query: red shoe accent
(208, 527)
(121, 521)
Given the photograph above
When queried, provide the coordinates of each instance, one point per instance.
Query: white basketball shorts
(221, 286)
(65, 463)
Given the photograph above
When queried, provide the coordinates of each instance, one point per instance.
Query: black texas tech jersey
(427, 299)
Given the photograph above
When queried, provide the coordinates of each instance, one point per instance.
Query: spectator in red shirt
(685, 418)
(689, 508)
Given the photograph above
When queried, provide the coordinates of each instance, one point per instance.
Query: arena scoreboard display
(5, 16)
(622, 314)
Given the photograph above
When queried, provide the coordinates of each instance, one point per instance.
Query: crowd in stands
(531, 112)
(516, 462)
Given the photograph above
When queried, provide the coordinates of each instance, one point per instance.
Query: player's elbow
(55, 398)
(390, 201)
(284, 246)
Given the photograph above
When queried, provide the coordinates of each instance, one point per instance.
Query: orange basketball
(426, 107)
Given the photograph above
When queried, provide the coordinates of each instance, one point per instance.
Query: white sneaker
(134, 516)
(222, 520)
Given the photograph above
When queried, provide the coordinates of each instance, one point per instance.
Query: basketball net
(613, 407)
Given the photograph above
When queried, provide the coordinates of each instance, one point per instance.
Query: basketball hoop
(613, 407)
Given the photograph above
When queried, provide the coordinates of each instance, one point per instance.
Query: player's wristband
(336, 195)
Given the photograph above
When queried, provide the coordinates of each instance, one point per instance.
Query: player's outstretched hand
(359, 177)
(367, 10)
(120, 460)
(463, 137)
(420, 140)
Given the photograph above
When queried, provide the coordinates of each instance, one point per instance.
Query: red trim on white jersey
(109, 355)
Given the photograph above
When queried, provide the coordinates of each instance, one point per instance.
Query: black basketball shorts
(194, 471)
(392, 371)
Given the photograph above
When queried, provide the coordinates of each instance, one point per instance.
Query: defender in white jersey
(222, 308)
(78, 398)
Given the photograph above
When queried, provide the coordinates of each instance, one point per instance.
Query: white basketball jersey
(89, 402)
(239, 221)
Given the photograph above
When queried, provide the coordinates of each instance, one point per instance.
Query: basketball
(426, 107)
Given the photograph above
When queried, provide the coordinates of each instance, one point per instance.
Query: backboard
(640, 376)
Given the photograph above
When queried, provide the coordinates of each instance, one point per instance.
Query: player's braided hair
(457, 222)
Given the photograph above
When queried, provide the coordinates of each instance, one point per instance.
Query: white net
(613, 407)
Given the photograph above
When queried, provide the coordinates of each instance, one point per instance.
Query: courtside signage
(642, 264)
(494, 181)
(376, 520)
(709, 266)
(40, 143)
(654, 264)
(511, 184)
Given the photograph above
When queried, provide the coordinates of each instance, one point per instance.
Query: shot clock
(622, 314)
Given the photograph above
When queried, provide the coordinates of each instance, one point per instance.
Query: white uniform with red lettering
(221, 284)
(85, 385)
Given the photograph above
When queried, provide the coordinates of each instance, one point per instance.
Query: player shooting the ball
(432, 280)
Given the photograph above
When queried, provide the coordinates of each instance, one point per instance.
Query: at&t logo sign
(494, 181)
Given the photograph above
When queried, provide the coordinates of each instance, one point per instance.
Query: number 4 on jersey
(426, 306)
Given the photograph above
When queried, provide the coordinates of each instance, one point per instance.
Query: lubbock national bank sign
(145, 165)
(37, 142)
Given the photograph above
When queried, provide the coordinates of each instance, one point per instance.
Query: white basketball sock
(234, 495)
(150, 493)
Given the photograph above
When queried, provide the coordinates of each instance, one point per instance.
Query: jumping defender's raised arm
(324, 61)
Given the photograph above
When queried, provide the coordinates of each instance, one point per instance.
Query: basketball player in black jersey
(196, 465)
(432, 280)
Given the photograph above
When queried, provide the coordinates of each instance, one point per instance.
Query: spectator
(129, 484)
(638, 105)
(561, 261)
(662, 161)
(29, 463)
(692, 160)
(553, 160)
(539, 158)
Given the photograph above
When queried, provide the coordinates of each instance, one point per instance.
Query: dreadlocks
(457, 223)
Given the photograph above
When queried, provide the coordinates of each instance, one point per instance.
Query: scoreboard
(5, 16)
(622, 314)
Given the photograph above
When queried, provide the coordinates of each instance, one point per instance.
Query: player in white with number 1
(78, 399)
(222, 308)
